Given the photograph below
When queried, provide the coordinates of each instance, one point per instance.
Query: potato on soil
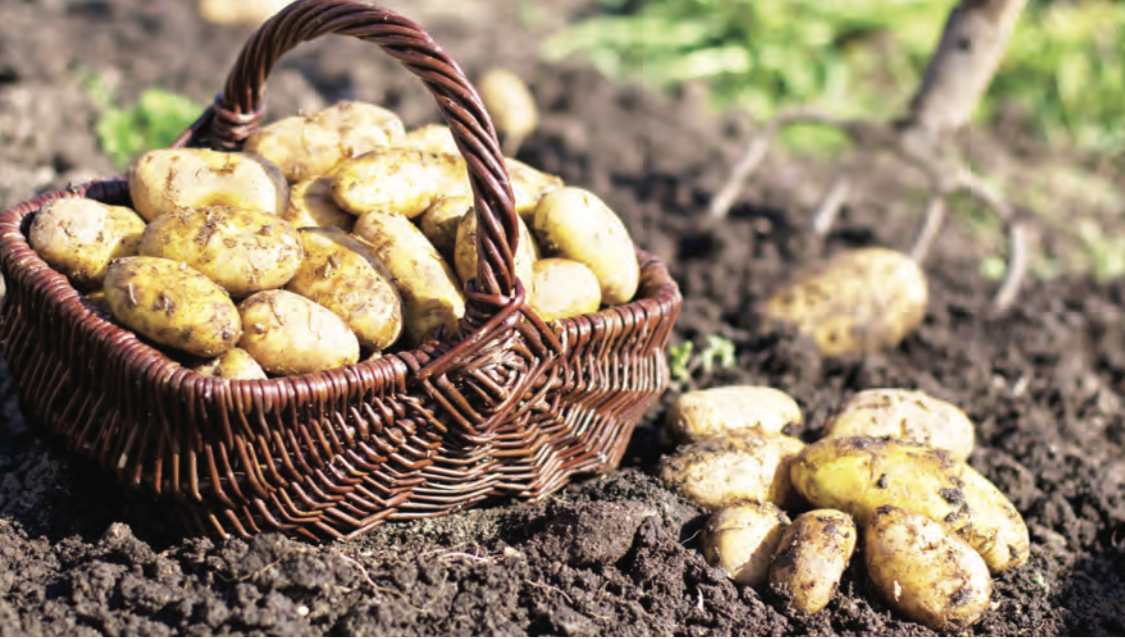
(720, 471)
(575, 224)
(716, 411)
(290, 335)
(925, 573)
(563, 288)
(440, 222)
(169, 180)
(397, 181)
(172, 304)
(431, 299)
(741, 539)
(342, 275)
(244, 251)
(465, 252)
(909, 416)
(311, 204)
(79, 237)
(858, 302)
(233, 364)
(510, 104)
(811, 557)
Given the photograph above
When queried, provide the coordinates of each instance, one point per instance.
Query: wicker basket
(508, 407)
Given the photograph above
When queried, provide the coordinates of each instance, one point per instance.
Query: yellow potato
(79, 237)
(741, 539)
(311, 204)
(811, 557)
(290, 335)
(926, 574)
(563, 288)
(858, 302)
(342, 275)
(465, 252)
(172, 304)
(233, 364)
(432, 303)
(169, 180)
(432, 138)
(244, 251)
(909, 416)
(439, 223)
(510, 105)
(717, 411)
(402, 181)
(575, 224)
(529, 186)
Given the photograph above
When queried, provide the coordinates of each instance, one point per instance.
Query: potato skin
(811, 557)
(929, 576)
(465, 252)
(432, 138)
(244, 251)
(563, 288)
(395, 181)
(511, 105)
(440, 222)
(529, 185)
(290, 335)
(311, 204)
(172, 304)
(909, 416)
(79, 237)
(233, 364)
(715, 411)
(742, 538)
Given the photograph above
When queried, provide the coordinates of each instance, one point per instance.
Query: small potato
(529, 186)
(396, 181)
(909, 416)
(244, 251)
(290, 335)
(440, 222)
(747, 465)
(251, 12)
(172, 304)
(511, 106)
(718, 411)
(575, 224)
(465, 252)
(563, 288)
(924, 573)
(858, 302)
(79, 237)
(432, 138)
(311, 204)
(811, 557)
(233, 364)
(995, 529)
(742, 538)
(169, 180)
(342, 275)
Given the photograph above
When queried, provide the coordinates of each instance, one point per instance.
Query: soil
(611, 555)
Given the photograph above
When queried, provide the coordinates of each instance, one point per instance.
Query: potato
(233, 364)
(244, 251)
(926, 574)
(432, 302)
(79, 237)
(252, 12)
(858, 302)
(465, 252)
(440, 222)
(169, 180)
(402, 181)
(563, 288)
(860, 474)
(575, 224)
(747, 465)
(432, 138)
(529, 186)
(742, 538)
(717, 411)
(909, 416)
(342, 275)
(290, 335)
(311, 204)
(811, 557)
(172, 304)
(510, 104)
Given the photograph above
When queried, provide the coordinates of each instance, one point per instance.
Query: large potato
(342, 275)
(440, 222)
(432, 301)
(926, 574)
(909, 416)
(575, 224)
(465, 252)
(716, 411)
(233, 364)
(290, 335)
(168, 180)
(563, 288)
(311, 205)
(244, 251)
(741, 539)
(857, 302)
(79, 237)
(396, 181)
(172, 304)
(811, 557)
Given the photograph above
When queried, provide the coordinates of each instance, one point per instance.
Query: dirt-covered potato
(79, 237)
(511, 106)
(910, 416)
(311, 204)
(858, 475)
(397, 181)
(431, 299)
(172, 304)
(741, 539)
(575, 224)
(440, 222)
(233, 364)
(169, 180)
(291, 335)
(563, 288)
(811, 557)
(717, 411)
(342, 275)
(465, 252)
(244, 251)
(929, 576)
(748, 465)
(858, 302)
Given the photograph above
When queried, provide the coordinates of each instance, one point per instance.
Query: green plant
(682, 360)
(679, 360)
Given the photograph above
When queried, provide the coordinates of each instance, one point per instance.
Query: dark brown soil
(613, 555)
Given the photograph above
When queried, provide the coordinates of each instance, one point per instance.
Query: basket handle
(238, 109)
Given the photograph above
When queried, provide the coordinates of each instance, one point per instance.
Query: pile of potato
(891, 467)
(333, 237)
